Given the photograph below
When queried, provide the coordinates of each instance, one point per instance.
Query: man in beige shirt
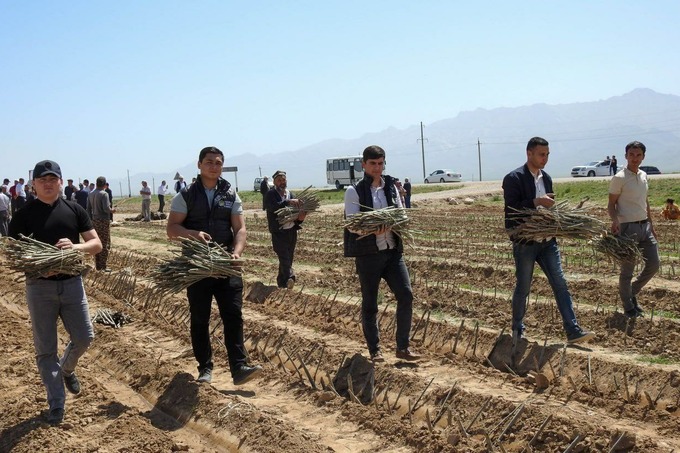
(629, 210)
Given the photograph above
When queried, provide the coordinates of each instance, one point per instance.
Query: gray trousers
(146, 209)
(642, 234)
(49, 300)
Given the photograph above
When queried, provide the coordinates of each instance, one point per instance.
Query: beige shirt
(632, 191)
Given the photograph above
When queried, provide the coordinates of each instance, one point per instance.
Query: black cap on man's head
(46, 167)
(279, 173)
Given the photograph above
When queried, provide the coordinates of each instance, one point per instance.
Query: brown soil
(468, 393)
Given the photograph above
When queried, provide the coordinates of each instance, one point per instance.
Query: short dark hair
(373, 152)
(638, 145)
(85, 181)
(209, 150)
(101, 181)
(670, 200)
(536, 141)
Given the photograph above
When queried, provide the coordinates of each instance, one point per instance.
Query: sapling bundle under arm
(559, 221)
(617, 248)
(309, 202)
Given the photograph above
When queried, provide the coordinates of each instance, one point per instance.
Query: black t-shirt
(49, 223)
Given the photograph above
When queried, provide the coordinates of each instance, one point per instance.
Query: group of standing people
(613, 164)
(211, 211)
(12, 198)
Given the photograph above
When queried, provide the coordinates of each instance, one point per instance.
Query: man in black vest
(211, 211)
(530, 187)
(379, 256)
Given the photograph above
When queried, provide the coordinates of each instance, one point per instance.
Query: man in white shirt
(162, 190)
(631, 217)
(5, 208)
(21, 194)
(379, 256)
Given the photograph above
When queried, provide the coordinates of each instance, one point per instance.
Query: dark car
(650, 169)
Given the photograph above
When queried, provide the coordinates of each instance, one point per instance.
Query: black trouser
(20, 202)
(284, 242)
(228, 293)
(161, 203)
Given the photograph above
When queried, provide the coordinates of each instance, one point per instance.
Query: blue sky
(106, 87)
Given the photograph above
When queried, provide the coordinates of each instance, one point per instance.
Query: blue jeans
(547, 255)
(642, 234)
(49, 300)
(388, 265)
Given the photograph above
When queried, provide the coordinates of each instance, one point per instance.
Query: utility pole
(120, 186)
(129, 186)
(260, 168)
(479, 157)
(422, 147)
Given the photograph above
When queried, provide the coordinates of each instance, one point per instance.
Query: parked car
(443, 176)
(650, 169)
(256, 184)
(596, 168)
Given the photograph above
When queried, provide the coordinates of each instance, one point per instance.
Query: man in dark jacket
(211, 211)
(530, 187)
(264, 188)
(379, 256)
(284, 236)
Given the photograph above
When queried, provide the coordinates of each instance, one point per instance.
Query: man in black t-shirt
(53, 220)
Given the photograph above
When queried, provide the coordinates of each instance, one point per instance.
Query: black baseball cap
(46, 167)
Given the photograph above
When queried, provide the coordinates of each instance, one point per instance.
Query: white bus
(343, 171)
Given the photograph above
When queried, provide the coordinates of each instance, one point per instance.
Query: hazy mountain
(578, 133)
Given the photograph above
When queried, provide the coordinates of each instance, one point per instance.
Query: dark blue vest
(215, 219)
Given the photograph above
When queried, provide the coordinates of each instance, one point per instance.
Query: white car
(596, 168)
(443, 176)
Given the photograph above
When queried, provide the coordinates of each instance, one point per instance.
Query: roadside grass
(598, 191)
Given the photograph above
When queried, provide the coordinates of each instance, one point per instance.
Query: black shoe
(635, 312)
(55, 416)
(205, 375)
(72, 383)
(637, 307)
(246, 373)
(516, 336)
(580, 336)
(407, 354)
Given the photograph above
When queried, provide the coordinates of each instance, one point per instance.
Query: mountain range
(578, 133)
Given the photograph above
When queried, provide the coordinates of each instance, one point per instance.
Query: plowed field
(620, 392)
